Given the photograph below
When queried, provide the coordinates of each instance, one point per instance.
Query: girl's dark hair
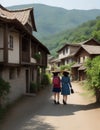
(66, 73)
(55, 74)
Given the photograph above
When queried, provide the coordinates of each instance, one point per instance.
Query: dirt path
(39, 113)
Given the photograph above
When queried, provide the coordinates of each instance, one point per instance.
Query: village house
(53, 63)
(23, 58)
(77, 54)
(65, 54)
(89, 49)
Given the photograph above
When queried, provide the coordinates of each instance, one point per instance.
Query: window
(81, 60)
(86, 58)
(33, 51)
(66, 49)
(78, 59)
(10, 42)
(64, 52)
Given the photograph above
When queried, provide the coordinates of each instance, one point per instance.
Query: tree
(96, 35)
(93, 75)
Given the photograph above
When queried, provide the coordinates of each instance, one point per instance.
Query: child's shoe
(54, 101)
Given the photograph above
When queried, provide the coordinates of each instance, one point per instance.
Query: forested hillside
(52, 20)
(56, 26)
(90, 29)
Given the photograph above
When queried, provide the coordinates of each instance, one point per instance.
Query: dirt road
(39, 113)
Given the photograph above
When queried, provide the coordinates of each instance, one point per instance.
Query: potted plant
(37, 56)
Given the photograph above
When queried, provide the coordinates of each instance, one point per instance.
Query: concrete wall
(13, 54)
(18, 83)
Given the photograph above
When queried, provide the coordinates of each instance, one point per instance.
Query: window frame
(11, 42)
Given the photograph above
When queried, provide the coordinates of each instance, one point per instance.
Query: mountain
(85, 31)
(56, 26)
(52, 20)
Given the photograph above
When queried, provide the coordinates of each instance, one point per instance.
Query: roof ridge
(17, 10)
(20, 10)
(3, 8)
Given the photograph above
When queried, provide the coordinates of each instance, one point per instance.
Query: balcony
(25, 57)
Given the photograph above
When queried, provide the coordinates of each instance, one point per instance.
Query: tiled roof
(68, 44)
(19, 18)
(92, 49)
(21, 15)
(82, 67)
(76, 65)
(84, 42)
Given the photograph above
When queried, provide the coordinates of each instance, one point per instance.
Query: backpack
(56, 81)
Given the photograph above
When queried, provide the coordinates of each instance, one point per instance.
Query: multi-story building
(78, 53)
(88, 49)
(23, 58)
(65, 54)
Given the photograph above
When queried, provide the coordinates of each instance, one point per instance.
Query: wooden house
(65, 54)
(53, 63)
(88, 49)
(23, 58)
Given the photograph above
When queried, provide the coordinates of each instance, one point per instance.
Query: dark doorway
(27, 81)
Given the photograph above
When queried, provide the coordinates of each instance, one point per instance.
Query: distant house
(53, 63)
(78, 53)
(23, 58)
(65, 56)
(66, 53)
(88, 49)
(91, 41)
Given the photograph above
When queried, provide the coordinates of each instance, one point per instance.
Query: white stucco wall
(13, 55)
(18, 84)
(61, 55)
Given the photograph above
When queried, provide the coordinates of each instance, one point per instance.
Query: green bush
(93, 72)
(93, 75)
(37, 56)
(67, 67)
(45, 80)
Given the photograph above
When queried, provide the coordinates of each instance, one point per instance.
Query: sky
(67, 4)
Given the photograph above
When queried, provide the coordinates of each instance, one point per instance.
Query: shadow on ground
(29, 113)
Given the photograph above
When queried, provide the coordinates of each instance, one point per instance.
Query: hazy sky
(67, 4)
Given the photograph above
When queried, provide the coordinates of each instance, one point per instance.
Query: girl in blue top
(66, 85)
